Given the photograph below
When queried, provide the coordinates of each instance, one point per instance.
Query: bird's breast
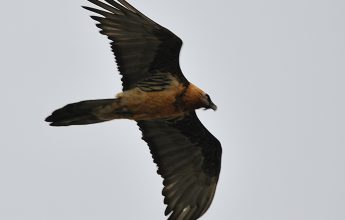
(152, 105)
(173, 101)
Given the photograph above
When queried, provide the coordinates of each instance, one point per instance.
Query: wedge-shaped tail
(86, 112)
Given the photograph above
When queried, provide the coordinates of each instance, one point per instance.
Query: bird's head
(208, 104)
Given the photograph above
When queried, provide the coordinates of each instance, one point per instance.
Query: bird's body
(174, 101)
(162, 102)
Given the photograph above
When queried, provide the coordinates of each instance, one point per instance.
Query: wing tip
(52, 121)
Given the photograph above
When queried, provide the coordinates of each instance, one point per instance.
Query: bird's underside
(165, 100)
(162, 102)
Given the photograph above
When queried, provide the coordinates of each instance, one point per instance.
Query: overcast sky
(276, 70)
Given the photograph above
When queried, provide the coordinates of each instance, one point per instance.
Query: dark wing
(141, 46)
(189, 159)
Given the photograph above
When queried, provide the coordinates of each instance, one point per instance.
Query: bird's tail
(87, 112)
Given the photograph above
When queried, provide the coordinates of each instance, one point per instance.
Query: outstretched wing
(141, 46)
(188, 158)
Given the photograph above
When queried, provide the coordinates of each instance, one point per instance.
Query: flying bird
(162, 101)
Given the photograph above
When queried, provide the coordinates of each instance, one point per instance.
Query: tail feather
(85, 112)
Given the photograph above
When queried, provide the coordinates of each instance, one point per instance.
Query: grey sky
(275, 69)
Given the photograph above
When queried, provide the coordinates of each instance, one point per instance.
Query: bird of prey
(162, 101)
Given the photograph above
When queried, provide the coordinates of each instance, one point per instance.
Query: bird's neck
(192, 97)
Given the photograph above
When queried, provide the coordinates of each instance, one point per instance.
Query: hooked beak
(213, 106)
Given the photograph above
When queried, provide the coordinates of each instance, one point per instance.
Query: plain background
(274, 68)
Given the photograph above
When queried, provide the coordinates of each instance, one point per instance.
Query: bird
(163, 103)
